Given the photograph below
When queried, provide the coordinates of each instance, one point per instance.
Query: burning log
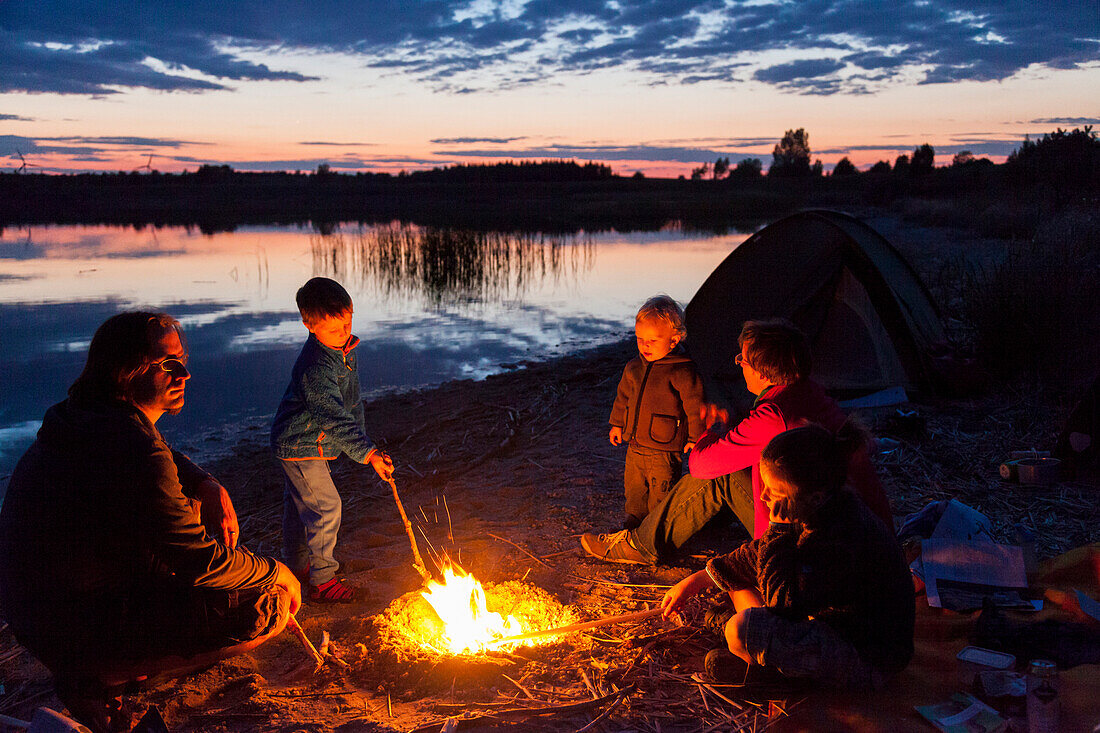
(624, 618)
(418, 563)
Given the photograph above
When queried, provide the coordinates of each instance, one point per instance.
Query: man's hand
(674, 599)
(288, 581)
(382, 464)
(217, 514)
(615, 435)
(712, 414)
(688, 447)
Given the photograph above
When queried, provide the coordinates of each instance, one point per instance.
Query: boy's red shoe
(332, 591)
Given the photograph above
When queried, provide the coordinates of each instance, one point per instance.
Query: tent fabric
(870, 320)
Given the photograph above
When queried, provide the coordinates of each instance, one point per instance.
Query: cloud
(469, 140)
(604, 153)
(336, 144)
(15, 118)
(459, 46)
(1066, 121)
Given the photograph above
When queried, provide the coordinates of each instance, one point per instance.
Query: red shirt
(779, 408)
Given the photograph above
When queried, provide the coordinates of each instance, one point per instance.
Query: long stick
(296, 629)
(625, 618)
(418, 563)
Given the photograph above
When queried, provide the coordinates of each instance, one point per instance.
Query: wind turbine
(148, 165)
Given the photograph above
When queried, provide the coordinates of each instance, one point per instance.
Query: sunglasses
(173, 365)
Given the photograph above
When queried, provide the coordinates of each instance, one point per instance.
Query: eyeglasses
(175, 366)
(740, 360)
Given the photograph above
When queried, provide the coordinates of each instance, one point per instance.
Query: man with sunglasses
(118, 556)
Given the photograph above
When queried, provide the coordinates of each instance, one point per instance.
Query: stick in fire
(418, 563)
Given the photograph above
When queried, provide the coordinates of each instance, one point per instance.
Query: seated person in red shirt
(825, 593)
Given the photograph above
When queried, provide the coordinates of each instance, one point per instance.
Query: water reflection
(449, 266)
(431, 305)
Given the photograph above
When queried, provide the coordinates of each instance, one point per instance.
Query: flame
(460, 603)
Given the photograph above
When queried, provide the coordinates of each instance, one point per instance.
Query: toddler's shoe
(613, 547)
(332, 591)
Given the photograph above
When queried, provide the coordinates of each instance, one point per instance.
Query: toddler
(657, 410)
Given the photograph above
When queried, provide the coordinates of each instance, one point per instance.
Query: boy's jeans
(690, 504)
(311, 519)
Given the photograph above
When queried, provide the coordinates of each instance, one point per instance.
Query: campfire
(468, 625)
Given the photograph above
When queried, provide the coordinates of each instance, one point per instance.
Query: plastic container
(975, 659)
(1038, 470)
(1043, 705)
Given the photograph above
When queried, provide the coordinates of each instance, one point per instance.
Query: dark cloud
(798, 70)
(15, 118)
(1066, 121)
(468, 140)
(101, 48)
(604, 153)
(335, 144)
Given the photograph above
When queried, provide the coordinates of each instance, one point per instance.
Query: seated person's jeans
(807, 649)
(690, 504)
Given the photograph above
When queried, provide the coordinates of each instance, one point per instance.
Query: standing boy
(320, 417)
(657, 409)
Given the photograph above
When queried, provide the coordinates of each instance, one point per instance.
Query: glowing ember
(460, 603)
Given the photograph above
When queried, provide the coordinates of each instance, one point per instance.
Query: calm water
(430, 306)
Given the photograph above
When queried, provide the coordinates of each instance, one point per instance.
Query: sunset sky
(658, 86)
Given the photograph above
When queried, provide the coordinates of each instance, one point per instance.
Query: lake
(431, 305)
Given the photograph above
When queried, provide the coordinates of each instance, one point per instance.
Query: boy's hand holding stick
(384, 467)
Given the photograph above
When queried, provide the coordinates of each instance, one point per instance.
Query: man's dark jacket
(97, 518)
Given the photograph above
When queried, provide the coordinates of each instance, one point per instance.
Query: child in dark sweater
(825, 593)
(657, 408)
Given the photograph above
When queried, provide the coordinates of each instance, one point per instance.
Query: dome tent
(869, 319)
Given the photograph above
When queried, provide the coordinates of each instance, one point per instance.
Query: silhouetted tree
(883, 166)
(638, 175)
(721, 167)
(817, 169)
(844, 167)
(963, 157)
(697, 174)
(901, 165)
(1067, 162)
(748, 169)
(923, 160)
(324, 169)
(791, 155)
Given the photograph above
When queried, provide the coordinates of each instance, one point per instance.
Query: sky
(657, 86)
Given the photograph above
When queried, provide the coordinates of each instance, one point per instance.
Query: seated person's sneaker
(726, 668)
(614, 547)
(722, 666)
(718, 615)
(332, 591)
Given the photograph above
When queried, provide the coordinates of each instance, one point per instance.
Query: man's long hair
(120, 350)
